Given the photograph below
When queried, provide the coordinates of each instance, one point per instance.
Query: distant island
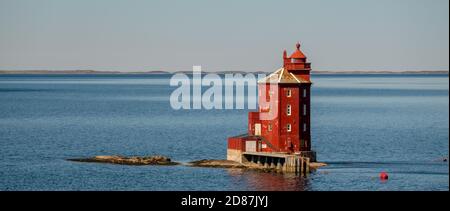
(219, 72)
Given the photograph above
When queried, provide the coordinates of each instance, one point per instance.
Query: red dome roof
(298, 54)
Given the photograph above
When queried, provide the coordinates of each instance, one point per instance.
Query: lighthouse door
(257, 129)
(250, 146)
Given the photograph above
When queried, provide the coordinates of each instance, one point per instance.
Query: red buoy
(384, 176)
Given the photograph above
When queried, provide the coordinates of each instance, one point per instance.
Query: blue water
(361, 125)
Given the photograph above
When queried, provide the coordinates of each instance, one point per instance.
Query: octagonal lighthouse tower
(281, 126)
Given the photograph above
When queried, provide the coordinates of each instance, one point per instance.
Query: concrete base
(278, 161)
(234, 155)
(295, 163)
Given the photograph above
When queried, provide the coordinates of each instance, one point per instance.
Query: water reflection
(268, 181)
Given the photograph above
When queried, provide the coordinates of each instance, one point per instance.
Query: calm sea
(361, 125)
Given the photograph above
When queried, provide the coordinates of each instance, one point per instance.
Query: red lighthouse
(282, 123)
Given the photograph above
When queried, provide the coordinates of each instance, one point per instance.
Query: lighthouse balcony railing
(297, 66)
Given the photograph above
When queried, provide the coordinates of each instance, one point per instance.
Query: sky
(223, 35)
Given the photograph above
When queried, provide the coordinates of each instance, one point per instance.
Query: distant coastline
(220, 72)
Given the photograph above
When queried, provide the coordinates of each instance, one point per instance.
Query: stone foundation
(234, 155)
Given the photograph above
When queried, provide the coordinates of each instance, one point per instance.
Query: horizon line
(90, 71)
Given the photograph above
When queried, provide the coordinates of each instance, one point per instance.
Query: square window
(288, 127)
(289, 93)
(289, 110)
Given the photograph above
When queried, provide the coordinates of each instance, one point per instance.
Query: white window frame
(288, 127)
(289, 93)
(258, 131)
(289, 110)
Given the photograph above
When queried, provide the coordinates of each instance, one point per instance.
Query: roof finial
(298, 45)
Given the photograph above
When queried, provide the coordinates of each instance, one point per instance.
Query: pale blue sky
(137, 35)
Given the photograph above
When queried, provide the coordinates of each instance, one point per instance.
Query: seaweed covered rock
(217, 164)
(135, 160)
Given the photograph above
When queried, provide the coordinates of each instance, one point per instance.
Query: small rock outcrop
(316, 165)
(135, 160)
(163, 160)
(216, 164)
